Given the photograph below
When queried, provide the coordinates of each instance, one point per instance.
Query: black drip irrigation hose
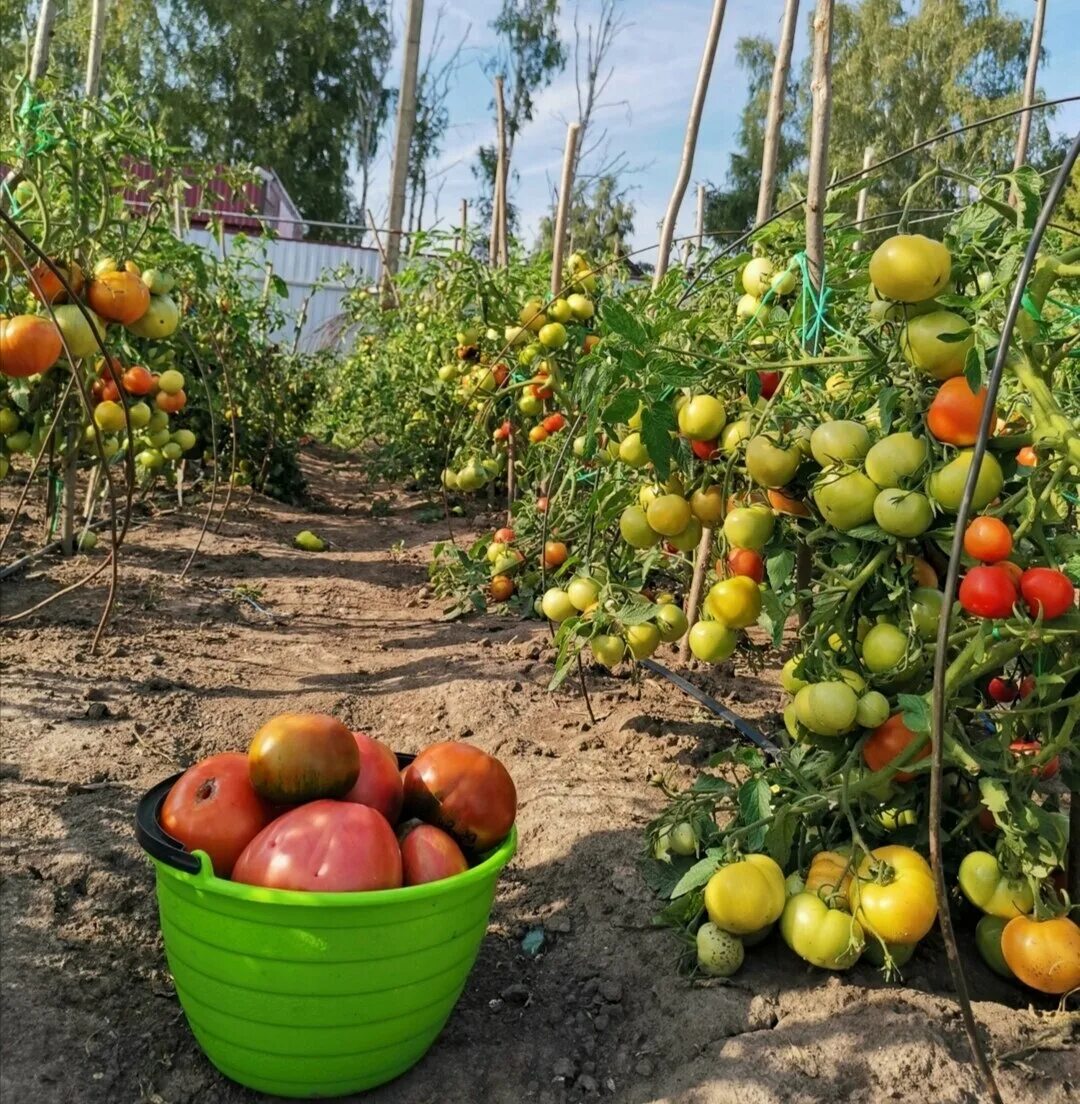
(744, 728)
(938, 703)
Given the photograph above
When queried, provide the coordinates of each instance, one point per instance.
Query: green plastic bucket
(314, 994)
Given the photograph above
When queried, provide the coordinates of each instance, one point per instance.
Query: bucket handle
(154, 840)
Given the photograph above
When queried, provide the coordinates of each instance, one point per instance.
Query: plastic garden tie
(815, 320)
(995, 632)
(30, 115)
(1071, 308)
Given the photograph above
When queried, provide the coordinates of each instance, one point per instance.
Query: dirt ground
(191, 668)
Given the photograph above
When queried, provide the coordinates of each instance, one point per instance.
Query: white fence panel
(307, 269)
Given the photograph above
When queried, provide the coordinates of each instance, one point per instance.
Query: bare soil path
(88, 1010)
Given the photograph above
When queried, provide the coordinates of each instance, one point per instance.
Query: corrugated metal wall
(301, 265)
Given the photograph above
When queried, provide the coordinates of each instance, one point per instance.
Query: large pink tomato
(329, 846)
(379, 783)
(213, 808)
(428, 854)
(462, 790)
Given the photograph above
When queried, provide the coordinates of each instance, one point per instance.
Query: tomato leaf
(781, 835)
(622, 322)
(780, 567)
(755, 803)
(623, 407)
(681, 912)
(870, 533)
(888, 400)
(699, 873)
(954, 338)
(994, 795)
(973, 368)
(657, 422)
(916, 710)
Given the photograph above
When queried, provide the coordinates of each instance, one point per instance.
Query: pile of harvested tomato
(314, 806)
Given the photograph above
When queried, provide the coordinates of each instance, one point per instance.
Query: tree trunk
(690, 142)
(39, 61)
(818, 179)
(562, 215)
(97, 40)
(774, 119)
(406, 121)
(1029, 89)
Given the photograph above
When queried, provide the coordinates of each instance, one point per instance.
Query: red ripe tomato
(503, 536)
(379, 781)
(1002, 690)
(109, 391)
(988, 539)
(986, 820)
(462, 790)
(500, 372)
(138, 381)
(988, 592)
(428, 854)
(1048, 590)
(956, 411)
(503, 432)
(769, 383)
(1014, 570)
(745, 561)
(1028, 749)
(543, 392)
(704, 450)
(890, 740)
(555, 553)
(302, 756)
(213, 808)
(329, 846)
(1027, 686)
(1027, 457)
(554, 422)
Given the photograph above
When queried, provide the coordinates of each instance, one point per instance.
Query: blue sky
(656, 61)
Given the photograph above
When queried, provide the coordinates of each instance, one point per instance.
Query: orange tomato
(988, 539)
(171, 404)
(956, 411)
(888, 741)
(502, 586)
(48, 288)
(787, 504)
(138, 380)
(555, 553)
(1027, 457)
(29, 344)
(745, 561)
(1044, 954)
(118, 296)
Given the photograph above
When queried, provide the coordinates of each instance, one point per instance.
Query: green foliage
(215, 77)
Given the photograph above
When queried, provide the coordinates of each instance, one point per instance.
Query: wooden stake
(864, 193)
(39, 61)
(562, 214)
(97, 40)
(497, 183)
(399, 170)
(464, 225)
(697, 585)
(700, 217)
(774, 119)
(818, 179)
(693, 125)
(1029, 88)
(504, 169)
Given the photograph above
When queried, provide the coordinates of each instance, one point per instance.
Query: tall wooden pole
(700, 229)
(97, 40)
(562, 214)
(464, 225)
(774, 118)
(495, 244)
(406, 120)
(818, 178)
(504, 173)
(1029, 83)
(39, 60)
(693, 125)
